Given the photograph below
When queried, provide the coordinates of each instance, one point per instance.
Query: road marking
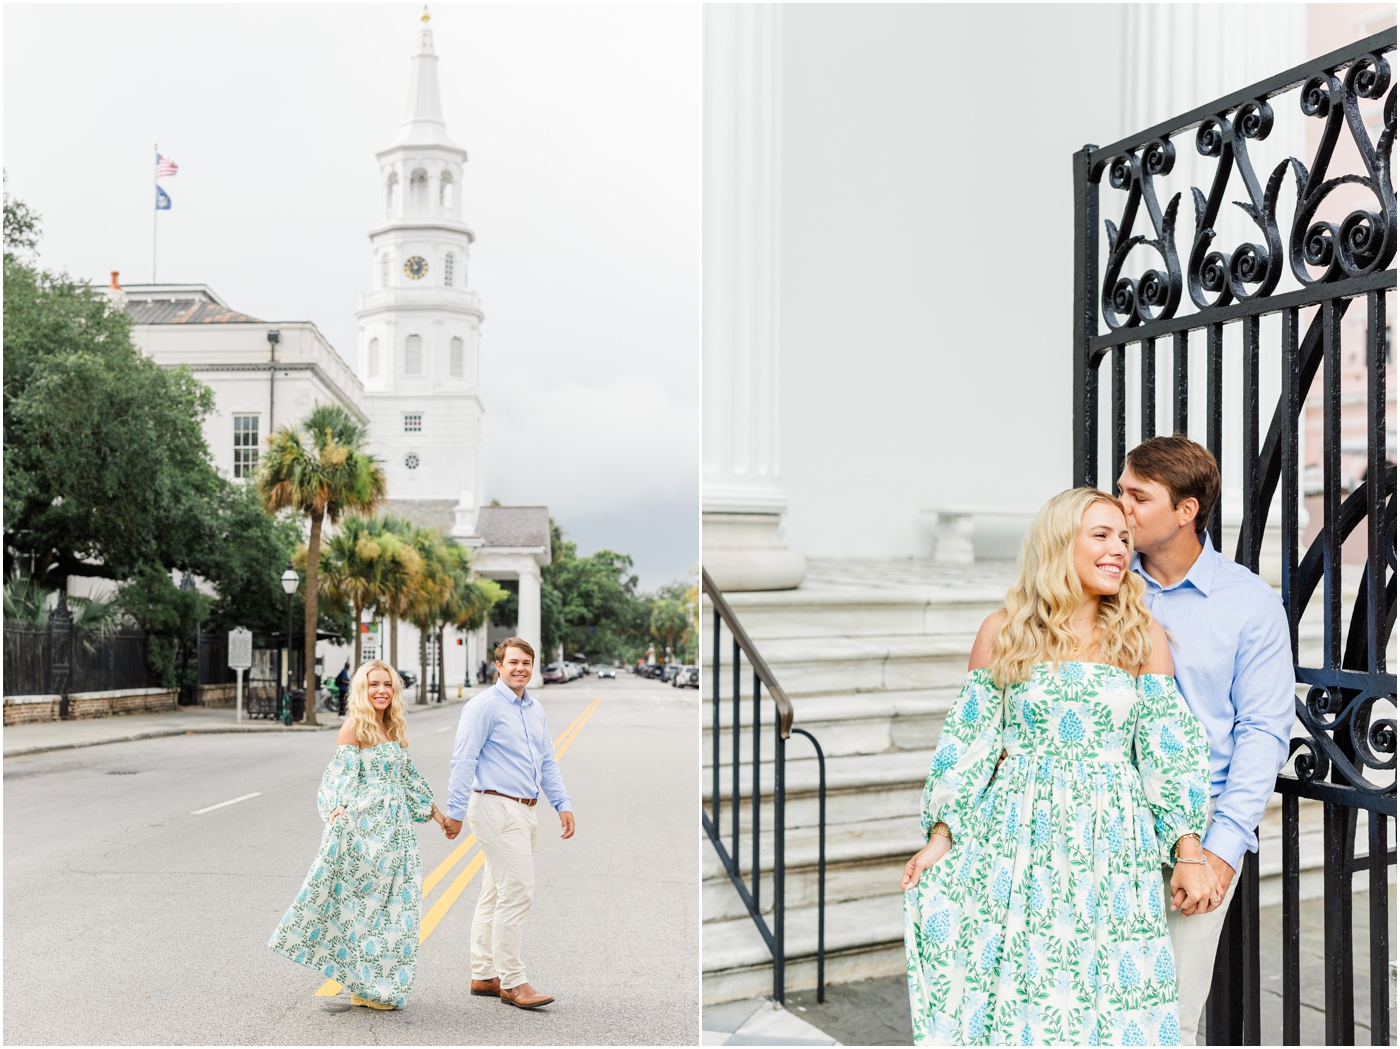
(235, 801)
(444, 728)
(439, 910)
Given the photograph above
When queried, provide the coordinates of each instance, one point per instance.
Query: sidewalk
(92, 732)
(757, 1021)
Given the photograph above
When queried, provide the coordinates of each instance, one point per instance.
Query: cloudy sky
(582, 128)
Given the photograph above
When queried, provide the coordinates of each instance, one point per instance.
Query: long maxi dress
(1044, 923)
(355, 919)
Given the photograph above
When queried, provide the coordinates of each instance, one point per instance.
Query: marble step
(859, 788)
(864, 611)
(830, 665)
(852, 723)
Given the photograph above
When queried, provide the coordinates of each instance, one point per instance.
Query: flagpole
(155, 213)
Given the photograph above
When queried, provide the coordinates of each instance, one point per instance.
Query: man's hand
(1224, 873)
(566, 821)
(451, 827)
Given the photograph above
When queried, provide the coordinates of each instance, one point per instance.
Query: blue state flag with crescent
(162, 200)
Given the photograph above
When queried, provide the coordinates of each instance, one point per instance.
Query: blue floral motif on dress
(1071, 671)
(971, 709)
(1133, 1035)
(1056, 922)
(1165, 968)
(1170, 744)
(1169, 1032)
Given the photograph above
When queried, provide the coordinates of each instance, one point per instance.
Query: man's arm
(1262, 695)
(472, 732)
(551, 781)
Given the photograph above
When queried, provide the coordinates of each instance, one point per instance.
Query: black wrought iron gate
(1337, 263)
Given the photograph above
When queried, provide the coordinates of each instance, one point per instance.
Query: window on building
(445, 191)
(391, 195)
(374, 364)
(455, 353)
(413, 422)
(413, 356)
(384, 270)
(411, 460)
(418, 192)
(448, 265)
(245, 445)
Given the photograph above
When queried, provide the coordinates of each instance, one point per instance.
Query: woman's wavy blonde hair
(369, 730)
(1047, 592)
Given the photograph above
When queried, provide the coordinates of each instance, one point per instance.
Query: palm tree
(398, 591)
(434, 585)
(366, 564)
(319, 468)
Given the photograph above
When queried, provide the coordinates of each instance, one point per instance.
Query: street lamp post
(290, 579)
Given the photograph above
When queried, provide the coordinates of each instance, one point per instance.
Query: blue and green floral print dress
(355, 919)
(1044, 923)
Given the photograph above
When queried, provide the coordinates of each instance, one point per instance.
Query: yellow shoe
(355, 999)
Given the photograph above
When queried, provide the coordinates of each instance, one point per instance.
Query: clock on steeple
(416, 267)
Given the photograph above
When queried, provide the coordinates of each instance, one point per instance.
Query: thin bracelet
(1183, 859)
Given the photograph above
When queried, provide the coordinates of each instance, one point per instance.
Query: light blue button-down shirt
(503, 744)
(1234, 666)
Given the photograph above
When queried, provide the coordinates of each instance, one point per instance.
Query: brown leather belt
(523, 801)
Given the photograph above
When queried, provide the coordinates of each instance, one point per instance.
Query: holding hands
(1198, 883)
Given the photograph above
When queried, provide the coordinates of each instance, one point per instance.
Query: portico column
(528, 621)
(741, 497)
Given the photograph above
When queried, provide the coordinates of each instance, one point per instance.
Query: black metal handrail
(763, 677)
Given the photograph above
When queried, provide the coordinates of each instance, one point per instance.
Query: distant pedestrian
(342, 686)
(356, 917)
(502, 760)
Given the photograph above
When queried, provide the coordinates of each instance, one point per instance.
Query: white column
(528, 623)
(742, 498)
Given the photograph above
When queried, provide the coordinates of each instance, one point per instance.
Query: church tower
(420, 326)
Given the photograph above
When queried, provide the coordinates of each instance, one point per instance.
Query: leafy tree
(364, 564)
(319, 469)
(169, 616)
(669, 624)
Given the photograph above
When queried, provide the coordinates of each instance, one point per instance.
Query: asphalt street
(129, 920)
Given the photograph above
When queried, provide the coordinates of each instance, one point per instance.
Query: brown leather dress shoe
(523, 996)
(487, 988)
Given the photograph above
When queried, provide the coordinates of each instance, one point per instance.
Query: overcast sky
(582, 128)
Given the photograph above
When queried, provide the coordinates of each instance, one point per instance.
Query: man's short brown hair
(1184, 468)
(514, 642)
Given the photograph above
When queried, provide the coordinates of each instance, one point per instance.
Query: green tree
(319, 469)
(669, 624)
(365, 564)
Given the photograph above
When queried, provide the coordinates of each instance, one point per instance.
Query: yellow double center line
(444, 903)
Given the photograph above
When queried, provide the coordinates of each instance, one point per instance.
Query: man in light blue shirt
(1234, 666)
(502, 759)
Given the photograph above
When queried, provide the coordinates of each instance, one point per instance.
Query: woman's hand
(339, 811)
(925, 858)
(1195, 888)
(438, 818)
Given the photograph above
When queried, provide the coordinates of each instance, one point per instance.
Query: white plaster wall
(927, 208)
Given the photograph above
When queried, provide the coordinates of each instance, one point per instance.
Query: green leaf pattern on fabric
(356, 917)
(1045, 922)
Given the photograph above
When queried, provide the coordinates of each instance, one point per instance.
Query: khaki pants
(1194, 941)
(506, 830)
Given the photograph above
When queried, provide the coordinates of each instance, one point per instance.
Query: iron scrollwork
(1127, 302)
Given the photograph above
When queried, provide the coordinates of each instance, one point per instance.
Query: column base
(746, 552)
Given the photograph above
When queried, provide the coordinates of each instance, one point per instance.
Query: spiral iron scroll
(1361, 243)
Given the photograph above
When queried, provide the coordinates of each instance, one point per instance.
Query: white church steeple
(420, 326)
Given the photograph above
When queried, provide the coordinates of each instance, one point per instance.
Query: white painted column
(528, 623)
(741, 495)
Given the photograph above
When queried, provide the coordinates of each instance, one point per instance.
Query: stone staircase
(872, 654)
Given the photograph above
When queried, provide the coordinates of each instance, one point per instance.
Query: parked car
(686, 677)
(670, 671)
(607, 672)
(409, 678)
(553, 674)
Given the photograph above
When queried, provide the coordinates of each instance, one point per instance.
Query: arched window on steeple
(418, 192)
(374, 358)
(413, 356)
(454, 358)
(445, 192)
(448, 266)
(384, 270)
(391, 195)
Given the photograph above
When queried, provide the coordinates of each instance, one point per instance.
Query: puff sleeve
(417, 793)
(1173, 758)
(340, 781)
(966, 757)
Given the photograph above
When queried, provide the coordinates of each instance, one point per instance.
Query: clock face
(416, 267)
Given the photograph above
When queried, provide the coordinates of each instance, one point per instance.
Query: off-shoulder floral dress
(355, 919)
(1045, 921)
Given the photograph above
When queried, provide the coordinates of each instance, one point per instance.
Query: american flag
(166, 166)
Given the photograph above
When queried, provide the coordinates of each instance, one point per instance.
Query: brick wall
(25, 710)
(121, 701)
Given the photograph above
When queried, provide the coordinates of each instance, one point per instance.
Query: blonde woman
(355, 919)
(1069, 770)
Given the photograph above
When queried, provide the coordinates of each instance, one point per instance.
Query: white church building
(416, 388)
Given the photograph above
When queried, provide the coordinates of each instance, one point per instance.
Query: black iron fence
(86, 663)
(1338, 250)
(750, 768)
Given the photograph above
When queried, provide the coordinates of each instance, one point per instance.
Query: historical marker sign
(240, 649)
